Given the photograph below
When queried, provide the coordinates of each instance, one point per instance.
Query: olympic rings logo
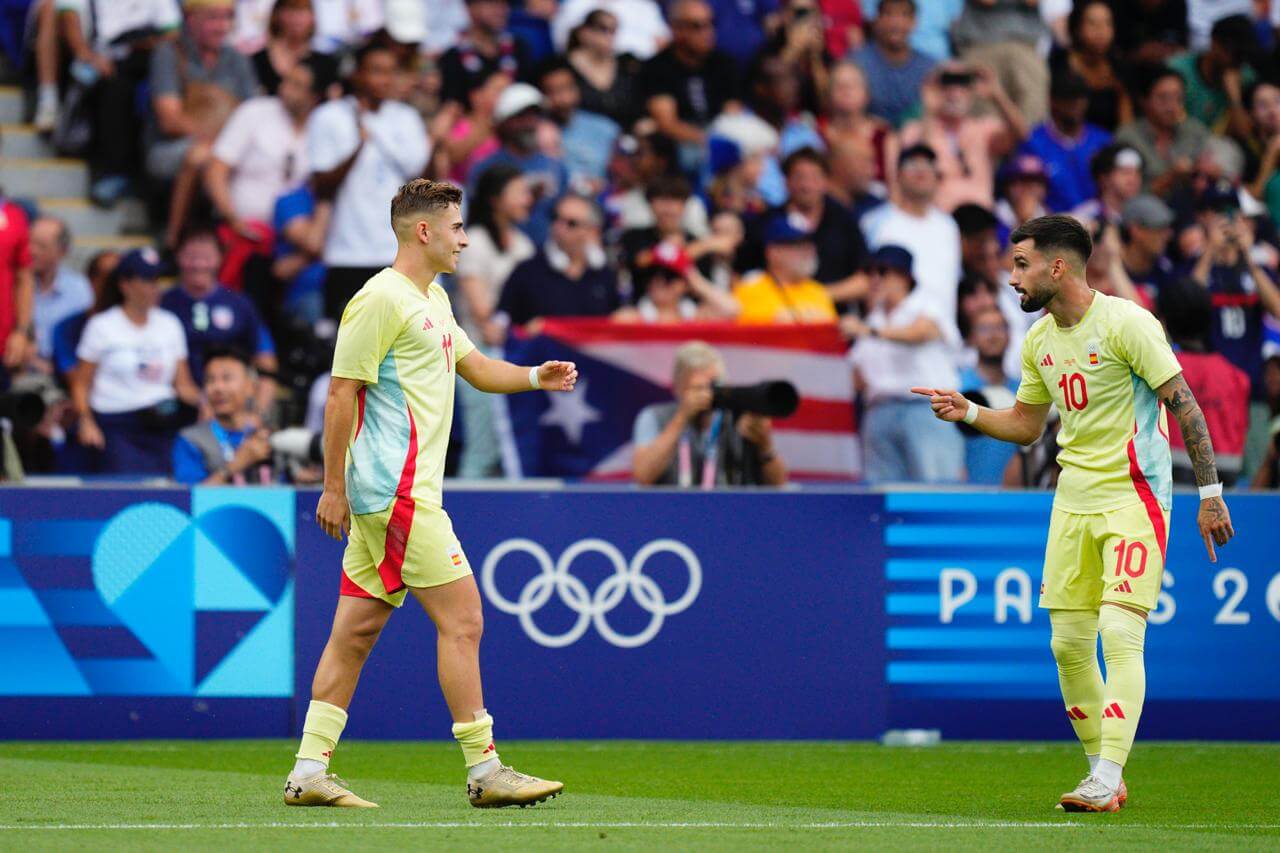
(591, 608)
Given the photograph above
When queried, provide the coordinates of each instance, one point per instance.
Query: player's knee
(1072, 653)
(1123, 634)
(360, 638)
(466, 625)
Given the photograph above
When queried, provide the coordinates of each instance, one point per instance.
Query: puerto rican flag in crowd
(624, 367)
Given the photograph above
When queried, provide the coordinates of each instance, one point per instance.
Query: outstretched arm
(1214, 520)
(502, 377)
(1021, 424)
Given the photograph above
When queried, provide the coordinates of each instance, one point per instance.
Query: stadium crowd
(758, 161)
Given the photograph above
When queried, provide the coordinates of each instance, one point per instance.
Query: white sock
(1093, 762)
(479, 771)
(48, 92)
(308, 767)
(1108, 772)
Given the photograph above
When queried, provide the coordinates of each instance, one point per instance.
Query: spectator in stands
(196, 82)
(1215, 79)
(689, 82)
(517, 116)
(895, 71)
(471, 138)
(799, 43)
(500, 204)
(641, 29)
(213, 316)
(1166, 137)
(60, 291)
(132, 374)
(1066, 144)
(1220, 388)
(17, 289)
(675, 291)
(290, 33)
(667, 196)
(111, 46)
(586, 138)
(905, 342)
(774, 90)
(1117, 178)
(341, 25)
(569, 275)
(1023, 185)
(1264, 107)
(301, 223)
(690, 444)
(914, 222)
(606, 78)
(261, 153)
(847, 120)
(1146, 228)
(742, 27)
(66, 334)
(809, 206)
(853, 181)
(741, 148)
(1268, 474)
(362, 149)
(1003, 35)
(785, 291)
(485, 46)
(1091, 54)
(967, 146)
(1153, 30)
(980, 247)
(231, 448)
(986, 458)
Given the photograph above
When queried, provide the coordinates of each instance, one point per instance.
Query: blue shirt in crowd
(70, 293)
(932, 35)
(894, 89)
(985, 457)
(188, 461)
(548, 179)
(290, 206)
(1066, 161)
(587, 141)
(740, 26)
(222, 319)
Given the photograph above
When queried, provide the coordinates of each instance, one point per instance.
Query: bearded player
(386, 427)
(1105, 364)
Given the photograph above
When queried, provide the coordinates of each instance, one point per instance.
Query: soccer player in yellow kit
(386, 428)
(1105, 363)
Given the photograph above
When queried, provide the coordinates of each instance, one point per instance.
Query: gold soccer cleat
(322, 789)
(505, 787)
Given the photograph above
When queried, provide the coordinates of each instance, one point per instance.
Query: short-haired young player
(1105, 363)
(386, 427)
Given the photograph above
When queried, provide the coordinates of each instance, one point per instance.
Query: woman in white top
(906, 341)
(501, 202)
(132, 374)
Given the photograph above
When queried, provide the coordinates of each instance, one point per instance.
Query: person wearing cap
(111, 55)
(904, 340)
(1023, 185)
(785, 292)
(1117, 177)
(1167, 138)
(517, 117)
(1146, 226)
(362, 148)
(913, 221)
(132, 372)
(485, 46)
(1066, 143)
(675, 291)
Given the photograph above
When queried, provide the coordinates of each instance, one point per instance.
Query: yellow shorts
(1115, 556)
(407, 544)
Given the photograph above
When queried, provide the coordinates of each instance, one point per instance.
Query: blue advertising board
(610, 613)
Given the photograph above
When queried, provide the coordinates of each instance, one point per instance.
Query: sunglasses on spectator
(605, 29)
(570, 222)
(695, 24)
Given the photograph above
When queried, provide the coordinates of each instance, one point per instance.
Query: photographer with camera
(710, 436)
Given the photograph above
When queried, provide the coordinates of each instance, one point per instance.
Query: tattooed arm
(1214, 520)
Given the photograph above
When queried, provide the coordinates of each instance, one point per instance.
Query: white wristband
(533, 379)
(971, 413)
(1213, 490)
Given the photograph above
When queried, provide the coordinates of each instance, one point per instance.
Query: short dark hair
(668, 186)
(973, 219)
(1058, 231)
(551, 66)
(1150, 76)
(1187, 310)
(214, 353)
(807, 154)
(911, 4)
(322, 76)
(1236, 34)
(200, 231)
(918, 150)
(371, 47)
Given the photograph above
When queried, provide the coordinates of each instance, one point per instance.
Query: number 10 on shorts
(1127, 554)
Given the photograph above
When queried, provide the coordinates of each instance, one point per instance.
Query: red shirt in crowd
(1222, 390)
(15, 255)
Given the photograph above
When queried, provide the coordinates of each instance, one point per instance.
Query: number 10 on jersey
(1074, 392)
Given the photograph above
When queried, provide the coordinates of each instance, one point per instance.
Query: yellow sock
(1123, 633)
(1075, 648)
(476, 739)
(321, 730)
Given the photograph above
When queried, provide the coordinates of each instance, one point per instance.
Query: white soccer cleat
(1091, 795)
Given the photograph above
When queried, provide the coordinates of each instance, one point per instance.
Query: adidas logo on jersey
(1047, 361)
(426, 324)
(1124, 587)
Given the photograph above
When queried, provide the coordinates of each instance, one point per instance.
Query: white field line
(852, 824)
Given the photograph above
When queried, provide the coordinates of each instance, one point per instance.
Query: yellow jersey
(404, 344)
(763, 300)
(1101, 374)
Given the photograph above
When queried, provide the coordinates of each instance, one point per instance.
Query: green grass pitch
(628, 795)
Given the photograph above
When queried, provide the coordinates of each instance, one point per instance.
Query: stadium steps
(31, 169)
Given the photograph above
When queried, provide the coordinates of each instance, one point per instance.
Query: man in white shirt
(362, 149)
(261, 153)
(916, 224)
